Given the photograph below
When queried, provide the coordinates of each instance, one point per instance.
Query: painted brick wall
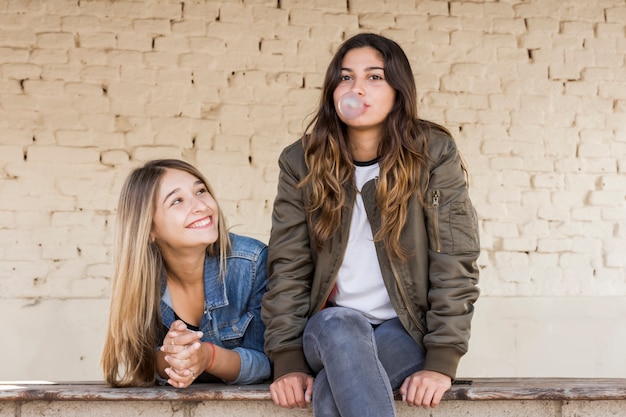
(534, 91)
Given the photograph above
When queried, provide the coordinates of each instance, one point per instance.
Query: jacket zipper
(334, 277)
(326, 297)
(436, 196)
(394, 270)
(405, 299)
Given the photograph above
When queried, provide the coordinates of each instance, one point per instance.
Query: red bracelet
(212, 357)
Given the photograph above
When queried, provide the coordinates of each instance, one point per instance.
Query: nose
(199, 205)
(357, 86)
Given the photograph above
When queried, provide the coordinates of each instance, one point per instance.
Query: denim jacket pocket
(232, 333)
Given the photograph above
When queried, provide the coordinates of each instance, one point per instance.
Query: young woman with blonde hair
(373, 248)
(186, 294)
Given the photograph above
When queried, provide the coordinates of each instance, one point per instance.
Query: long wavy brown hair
(401, 152)
(128, 357)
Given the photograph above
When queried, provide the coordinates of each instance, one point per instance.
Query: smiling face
(362, 72)
(185, 215)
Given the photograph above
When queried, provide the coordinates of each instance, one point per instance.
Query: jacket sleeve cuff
(255, 367)
(442, 359)
(292, 360)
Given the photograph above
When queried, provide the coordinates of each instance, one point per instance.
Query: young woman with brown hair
(373, 248)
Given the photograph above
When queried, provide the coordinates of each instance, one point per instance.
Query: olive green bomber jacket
(433, 292)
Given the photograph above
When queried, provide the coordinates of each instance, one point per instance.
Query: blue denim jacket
(232, 316)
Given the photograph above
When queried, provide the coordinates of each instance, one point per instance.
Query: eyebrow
(367, 69)
(175, 190)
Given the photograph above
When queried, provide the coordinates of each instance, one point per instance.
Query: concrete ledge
(563, 389)
(545, 397)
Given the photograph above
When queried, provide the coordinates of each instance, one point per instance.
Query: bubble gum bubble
(350, 105)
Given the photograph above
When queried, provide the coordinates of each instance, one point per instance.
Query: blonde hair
(128, 358)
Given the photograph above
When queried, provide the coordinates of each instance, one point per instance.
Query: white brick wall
(534, 91)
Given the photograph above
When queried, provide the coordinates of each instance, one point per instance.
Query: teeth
(201, 223)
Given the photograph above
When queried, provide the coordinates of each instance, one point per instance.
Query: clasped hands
(184, 355)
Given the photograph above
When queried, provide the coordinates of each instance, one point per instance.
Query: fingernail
(200, 334)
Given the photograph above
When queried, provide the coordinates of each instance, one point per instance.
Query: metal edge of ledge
(563, 389)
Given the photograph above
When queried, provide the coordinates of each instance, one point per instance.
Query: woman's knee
(338, 337)
(340, 320)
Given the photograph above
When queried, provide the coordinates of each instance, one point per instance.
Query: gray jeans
(358, 365)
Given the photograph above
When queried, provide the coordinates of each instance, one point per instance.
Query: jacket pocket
(452, 225)
(464, 227)
(231, 334)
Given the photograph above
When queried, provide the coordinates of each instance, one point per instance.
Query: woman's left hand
(184, 366)
(183, 355)
(425, 388)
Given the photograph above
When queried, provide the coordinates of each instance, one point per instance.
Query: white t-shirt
(360, 283)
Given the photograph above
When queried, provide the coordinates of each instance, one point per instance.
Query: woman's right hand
(292, 390)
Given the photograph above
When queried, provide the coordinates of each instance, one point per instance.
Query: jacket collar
(214, 286)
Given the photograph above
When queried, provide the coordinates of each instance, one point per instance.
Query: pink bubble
(350, 105)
